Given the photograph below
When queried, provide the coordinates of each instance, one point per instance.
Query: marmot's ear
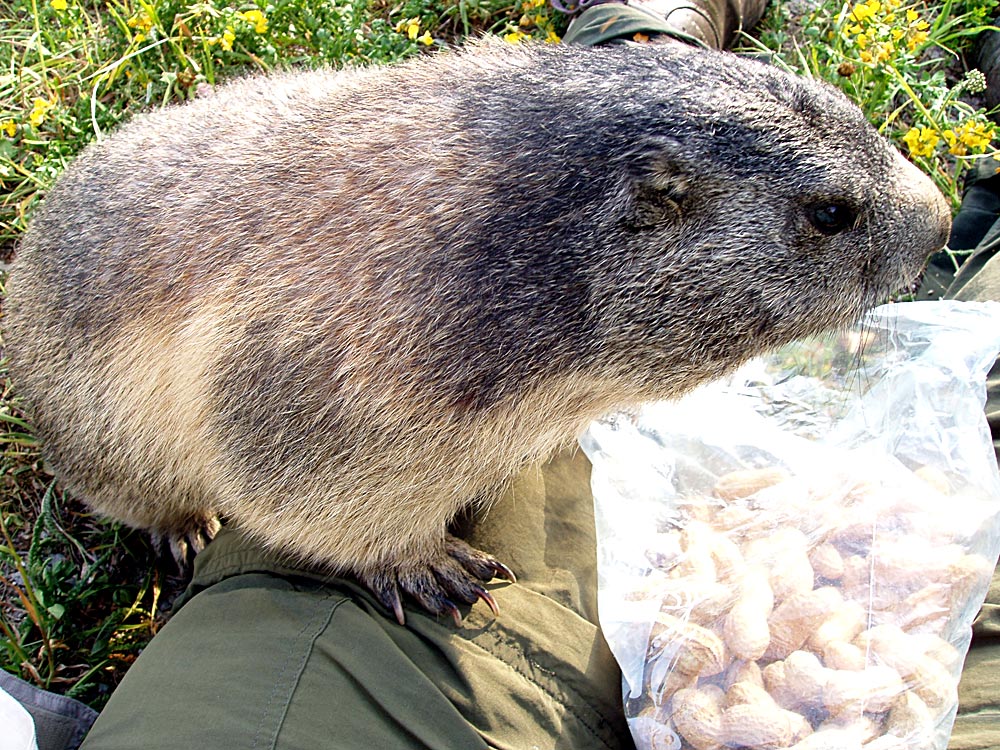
(657, 197)
(658, 180)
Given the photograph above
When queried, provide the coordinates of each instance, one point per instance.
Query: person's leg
(263, 655)
(706, 23)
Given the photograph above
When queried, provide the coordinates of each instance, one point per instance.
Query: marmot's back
(335, 307)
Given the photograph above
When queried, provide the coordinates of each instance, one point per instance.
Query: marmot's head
(711, 206)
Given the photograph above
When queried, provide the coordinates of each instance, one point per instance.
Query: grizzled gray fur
(337, 308)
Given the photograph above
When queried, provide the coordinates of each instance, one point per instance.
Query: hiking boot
(706, 23)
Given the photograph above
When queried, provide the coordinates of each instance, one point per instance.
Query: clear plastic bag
(793, 558)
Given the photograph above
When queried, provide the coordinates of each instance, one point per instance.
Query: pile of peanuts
(772, 637)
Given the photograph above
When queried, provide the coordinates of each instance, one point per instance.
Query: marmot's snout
(925, 218)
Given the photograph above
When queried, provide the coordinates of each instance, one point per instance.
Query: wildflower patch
(895, 60)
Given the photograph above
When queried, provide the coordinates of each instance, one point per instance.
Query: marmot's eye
(830, 218)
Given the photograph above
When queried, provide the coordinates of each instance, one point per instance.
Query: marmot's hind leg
(437, 584)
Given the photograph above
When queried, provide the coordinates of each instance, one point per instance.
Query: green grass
(80, 597)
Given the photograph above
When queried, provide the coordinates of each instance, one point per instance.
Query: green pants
(263, 656)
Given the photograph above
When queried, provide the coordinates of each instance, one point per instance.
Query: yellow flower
(9, 127)
(862, 41)
(256, 19)
(863, 11)
(514, 37)
(954, 147)
(855, 29)
(975, 135)
(426, 39)
(228, 37)
(915, 39)
(896, 34)
(865, 56)
(409, 26)
(911, 15)
(140, 21)
(552, 37)
(39, 110)
(58, 4)
(884, 51)
(980, 140)
(921, 141)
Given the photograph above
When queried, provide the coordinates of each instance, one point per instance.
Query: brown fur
(336, 308)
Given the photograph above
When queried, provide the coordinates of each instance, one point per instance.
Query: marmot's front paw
(436, 584)
(186, 541)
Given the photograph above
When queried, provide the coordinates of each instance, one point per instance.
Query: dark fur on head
(337, 307)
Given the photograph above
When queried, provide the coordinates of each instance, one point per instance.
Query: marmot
(335, 308)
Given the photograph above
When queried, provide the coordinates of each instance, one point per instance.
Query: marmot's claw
(487, 597)
(455, 614)
(482, 566)
(502, 571)
(183, 545)
(397, 607)
(383, 586)
(438, 584)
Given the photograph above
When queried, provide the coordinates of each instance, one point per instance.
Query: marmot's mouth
(902, 289)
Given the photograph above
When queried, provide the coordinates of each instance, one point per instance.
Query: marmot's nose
(926, 214)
